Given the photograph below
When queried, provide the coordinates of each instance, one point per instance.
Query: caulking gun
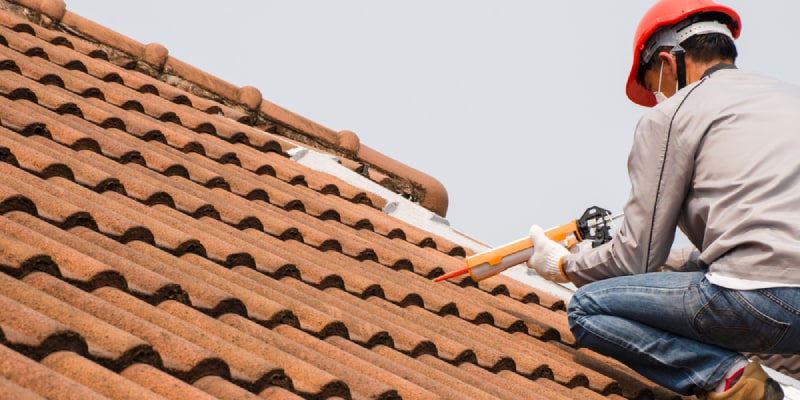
(595, 225)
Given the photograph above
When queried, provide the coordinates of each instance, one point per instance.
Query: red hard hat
(666, 13)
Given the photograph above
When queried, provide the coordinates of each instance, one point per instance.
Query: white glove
(547, 256)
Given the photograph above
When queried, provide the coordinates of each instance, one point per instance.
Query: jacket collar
(717, 68)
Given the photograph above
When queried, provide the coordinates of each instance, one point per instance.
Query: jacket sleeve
(660, 170)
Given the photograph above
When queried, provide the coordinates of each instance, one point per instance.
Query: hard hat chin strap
(680, 64)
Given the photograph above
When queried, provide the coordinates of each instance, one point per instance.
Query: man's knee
(577, 311)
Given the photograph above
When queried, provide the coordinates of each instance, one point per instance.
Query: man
(717, 156)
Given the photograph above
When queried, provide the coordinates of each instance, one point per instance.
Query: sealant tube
(491, 262)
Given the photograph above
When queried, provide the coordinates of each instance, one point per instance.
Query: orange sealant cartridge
(594, 225)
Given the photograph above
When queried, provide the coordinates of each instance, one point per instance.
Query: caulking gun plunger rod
(595, 225)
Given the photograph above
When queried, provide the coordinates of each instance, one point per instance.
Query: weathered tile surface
(156, 241)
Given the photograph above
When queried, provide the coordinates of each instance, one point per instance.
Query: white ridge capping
(396, 205)
(416, 215)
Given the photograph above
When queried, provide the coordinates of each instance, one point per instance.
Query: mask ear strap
(680, 64)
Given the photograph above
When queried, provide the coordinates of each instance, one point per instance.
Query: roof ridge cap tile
(247, 95)
(434, 197)
(53, 9)
(88, 29)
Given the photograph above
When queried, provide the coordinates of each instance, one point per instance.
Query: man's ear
(670, 64)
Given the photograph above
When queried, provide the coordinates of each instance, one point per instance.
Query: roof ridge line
(154, 60)
(158, 59)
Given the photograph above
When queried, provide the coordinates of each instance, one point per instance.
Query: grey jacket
(720, 160)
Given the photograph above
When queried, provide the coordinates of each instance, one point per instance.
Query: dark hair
(710, 47)
(701, 48)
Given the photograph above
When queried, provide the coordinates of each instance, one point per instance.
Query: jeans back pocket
(731, 320)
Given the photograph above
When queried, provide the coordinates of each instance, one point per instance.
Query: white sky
(517, 107)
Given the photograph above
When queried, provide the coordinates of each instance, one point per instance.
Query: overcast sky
(517, 107)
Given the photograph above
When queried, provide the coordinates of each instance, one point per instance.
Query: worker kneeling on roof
(717, 155)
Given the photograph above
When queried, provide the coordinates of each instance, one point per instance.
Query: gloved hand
(547, 256)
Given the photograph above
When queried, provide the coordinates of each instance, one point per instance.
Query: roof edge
(434, 197)
(430, 193)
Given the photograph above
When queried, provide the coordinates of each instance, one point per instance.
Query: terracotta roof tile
(630, 383)
(529, 364)
(38, 378)
(138, 280)
(465, 307)
(48, 206)
(163, 384)
(47, 159)
(225, 390)
(362, 328)
(111, 347)
(97, 378)
(531, 315)
(235, 249)
(444, 380)
(116, 217)
(157, 234)
(413, 341)
(505, 379)
(108, 221)
(368, 278)
(14, 391)
(73, 265)
(565, 369)
(200, 293)
(278, 393)
(19, 259)
(448, 346)
(223, 251)
(452, 346)
(40, 71)
(501, 284)
(362, 360)
(240, 301)
(546, 388)
(162, 109)
(183, 359)
(247, 370)
(301, 345)
(333, 186)
(307, 379)
(470, 374)
(327, 314)
(389, 227)
(34, 334)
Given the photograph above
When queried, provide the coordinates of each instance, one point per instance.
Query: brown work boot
(754, 384)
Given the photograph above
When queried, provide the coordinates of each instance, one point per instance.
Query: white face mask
(659, 95)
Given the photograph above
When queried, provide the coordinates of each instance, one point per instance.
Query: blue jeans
(679, 330)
